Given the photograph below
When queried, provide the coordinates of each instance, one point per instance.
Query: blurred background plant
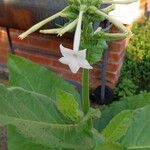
(135, 75)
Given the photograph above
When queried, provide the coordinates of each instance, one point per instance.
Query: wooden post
(3, 139)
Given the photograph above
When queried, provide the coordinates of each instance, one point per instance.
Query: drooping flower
(75, 58)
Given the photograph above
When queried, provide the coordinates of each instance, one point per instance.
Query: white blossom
(75, 58)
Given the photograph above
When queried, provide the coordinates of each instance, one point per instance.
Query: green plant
(41, 118)
(136, 69)
(41, 111)
(125, 88)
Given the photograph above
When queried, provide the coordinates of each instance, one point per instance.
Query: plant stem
(85, 75)
(85, 94)
(85, 90)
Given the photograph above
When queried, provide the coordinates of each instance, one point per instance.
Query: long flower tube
(40, 24)
(77, 36)
(75, 58)
(62, 30)
(115, 36)
(109, 8)
(112, 20)
(119, 2)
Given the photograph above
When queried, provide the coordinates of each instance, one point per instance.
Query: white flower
(75, 58)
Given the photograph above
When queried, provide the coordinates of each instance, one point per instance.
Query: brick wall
(3, 56)
(44, 50)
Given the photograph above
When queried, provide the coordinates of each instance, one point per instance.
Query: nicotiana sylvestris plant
(41, 111)
(82, 14)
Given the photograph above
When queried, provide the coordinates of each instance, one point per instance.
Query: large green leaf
(129, 103)
(68, 106)
(33, 118)
(109, 146)
(118, 126)
(138, 135)
(33, 77)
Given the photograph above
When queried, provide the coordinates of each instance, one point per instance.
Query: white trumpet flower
(75, 58)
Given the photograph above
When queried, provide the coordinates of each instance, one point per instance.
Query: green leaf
(118, 126)
(33, 77)
(17, 102)
(129, 103)
(68, 106)
(109, 146)
(138, 135)
(94, 44)
(33, 118)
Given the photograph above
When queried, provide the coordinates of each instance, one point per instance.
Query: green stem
(85, 75)
(85, 94)
(85, 90)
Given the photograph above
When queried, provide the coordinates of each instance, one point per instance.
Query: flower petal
(66, 51)
(65, 60)
(74, 67)
(82, 54)
(83, 63)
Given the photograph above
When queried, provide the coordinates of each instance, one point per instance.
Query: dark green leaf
(118, 126)
(33, 118)
(138, 135)
(129, 103)
(33, 77)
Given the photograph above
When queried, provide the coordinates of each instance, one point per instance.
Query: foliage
(128, 103)
(96, 46)
(41, 111)
(119, 125)
(125, 88)
(72, 112)
(37, 79)
(110, 146)
(38, 121)
(138, 134)
(135, 75)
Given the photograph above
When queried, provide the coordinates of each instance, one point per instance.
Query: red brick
(113, 67)
(114, 57)
(3, 39)
(50, 45)
(94, 83)
(43, 60)
(65, 74)
(113, 78)
(44, 49)
(3, 59)
(34, 57)
(3, 52)
(95, 72)
(58, 64)
(4, 44)
(117, 46)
